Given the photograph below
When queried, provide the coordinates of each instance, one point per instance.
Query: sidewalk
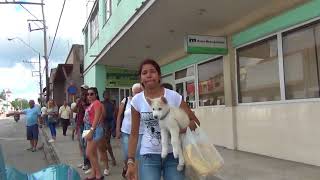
(67, 151)
(238, 165)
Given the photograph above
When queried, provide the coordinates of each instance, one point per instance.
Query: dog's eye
(160, 109)
(153, 109)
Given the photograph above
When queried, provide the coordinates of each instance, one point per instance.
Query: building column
(229, 73)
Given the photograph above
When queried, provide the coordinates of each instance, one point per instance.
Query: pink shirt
(95, 105)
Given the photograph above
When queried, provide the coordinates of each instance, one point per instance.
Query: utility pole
(39, 62)
(45, 52)
(44, 36)
(40, 76)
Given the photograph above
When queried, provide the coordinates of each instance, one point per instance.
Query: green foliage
(20, 104)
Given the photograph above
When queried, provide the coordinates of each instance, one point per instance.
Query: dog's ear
(149, 101)
(164, 100)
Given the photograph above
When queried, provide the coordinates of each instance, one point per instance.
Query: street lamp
(26, 44)
(37, 52)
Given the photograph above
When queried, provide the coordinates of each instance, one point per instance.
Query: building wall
(280, 129)
(284, 130)
(96, 77)
(59, 93)
(76, 57)
(121, 14)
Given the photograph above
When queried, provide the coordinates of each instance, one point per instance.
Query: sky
(15, 74)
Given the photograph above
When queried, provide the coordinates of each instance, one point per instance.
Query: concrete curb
(50, 150)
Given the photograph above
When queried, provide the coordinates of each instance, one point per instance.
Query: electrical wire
(31, 15)
(54, 38)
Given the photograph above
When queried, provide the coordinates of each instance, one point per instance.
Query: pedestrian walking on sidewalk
(93, 122)
(109, 120)
(151, 165)
(32, 119)
(65, 115)
(73, 119)
(52, 112)
(82, 105)
(123, 129)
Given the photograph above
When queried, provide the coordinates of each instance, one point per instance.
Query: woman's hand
(118, 133)
(131, 172)
(89, 136)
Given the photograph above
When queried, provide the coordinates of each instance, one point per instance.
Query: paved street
(238, 165)
(14, 143)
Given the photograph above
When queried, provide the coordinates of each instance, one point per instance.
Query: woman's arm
(133, 140)
(192, 117)
(119, 120)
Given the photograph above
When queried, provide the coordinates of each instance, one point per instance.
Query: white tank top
(126, 122)
(151, 139)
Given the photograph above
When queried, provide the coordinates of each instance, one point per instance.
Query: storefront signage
(198, 44)
(121, 77)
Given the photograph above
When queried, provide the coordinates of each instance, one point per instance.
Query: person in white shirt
(65, 115)
(151, 165)
(123, 128)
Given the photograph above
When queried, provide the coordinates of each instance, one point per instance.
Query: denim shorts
(152, 167)
(32, 132)
(125, 145)
(98, 132)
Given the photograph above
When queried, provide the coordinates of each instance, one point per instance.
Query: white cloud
(13, 20)
(20, 81)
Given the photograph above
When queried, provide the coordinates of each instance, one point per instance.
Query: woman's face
(150, 77)
(50, 103)
(91, 95)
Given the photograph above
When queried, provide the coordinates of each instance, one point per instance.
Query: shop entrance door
(124, 92)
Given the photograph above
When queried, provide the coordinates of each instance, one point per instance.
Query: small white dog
(171, 120)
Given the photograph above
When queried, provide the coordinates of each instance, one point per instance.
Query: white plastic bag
(202, 160)
(85, 133)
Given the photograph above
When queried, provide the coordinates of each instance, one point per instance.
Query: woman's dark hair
(151, 62)
(95, 90)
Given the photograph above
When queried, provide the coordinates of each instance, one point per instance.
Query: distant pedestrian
(93, 123)
(109, 122)
(52, 112)
(32, 118)
(65, 116)
(124, 126)
(73, 119)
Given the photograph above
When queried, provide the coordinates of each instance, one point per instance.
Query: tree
(20, 103)
(3, 95)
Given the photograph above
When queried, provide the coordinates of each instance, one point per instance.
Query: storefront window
(258, 72)
(168, 79)
(94, 26)
(185, 73)
(211, 86)
(301, 48)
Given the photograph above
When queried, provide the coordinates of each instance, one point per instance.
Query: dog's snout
(156, 117)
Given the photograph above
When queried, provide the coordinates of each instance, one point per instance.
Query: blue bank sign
(199, 44)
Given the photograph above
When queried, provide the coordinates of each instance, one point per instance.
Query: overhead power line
(31, 15)
(55, 34)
